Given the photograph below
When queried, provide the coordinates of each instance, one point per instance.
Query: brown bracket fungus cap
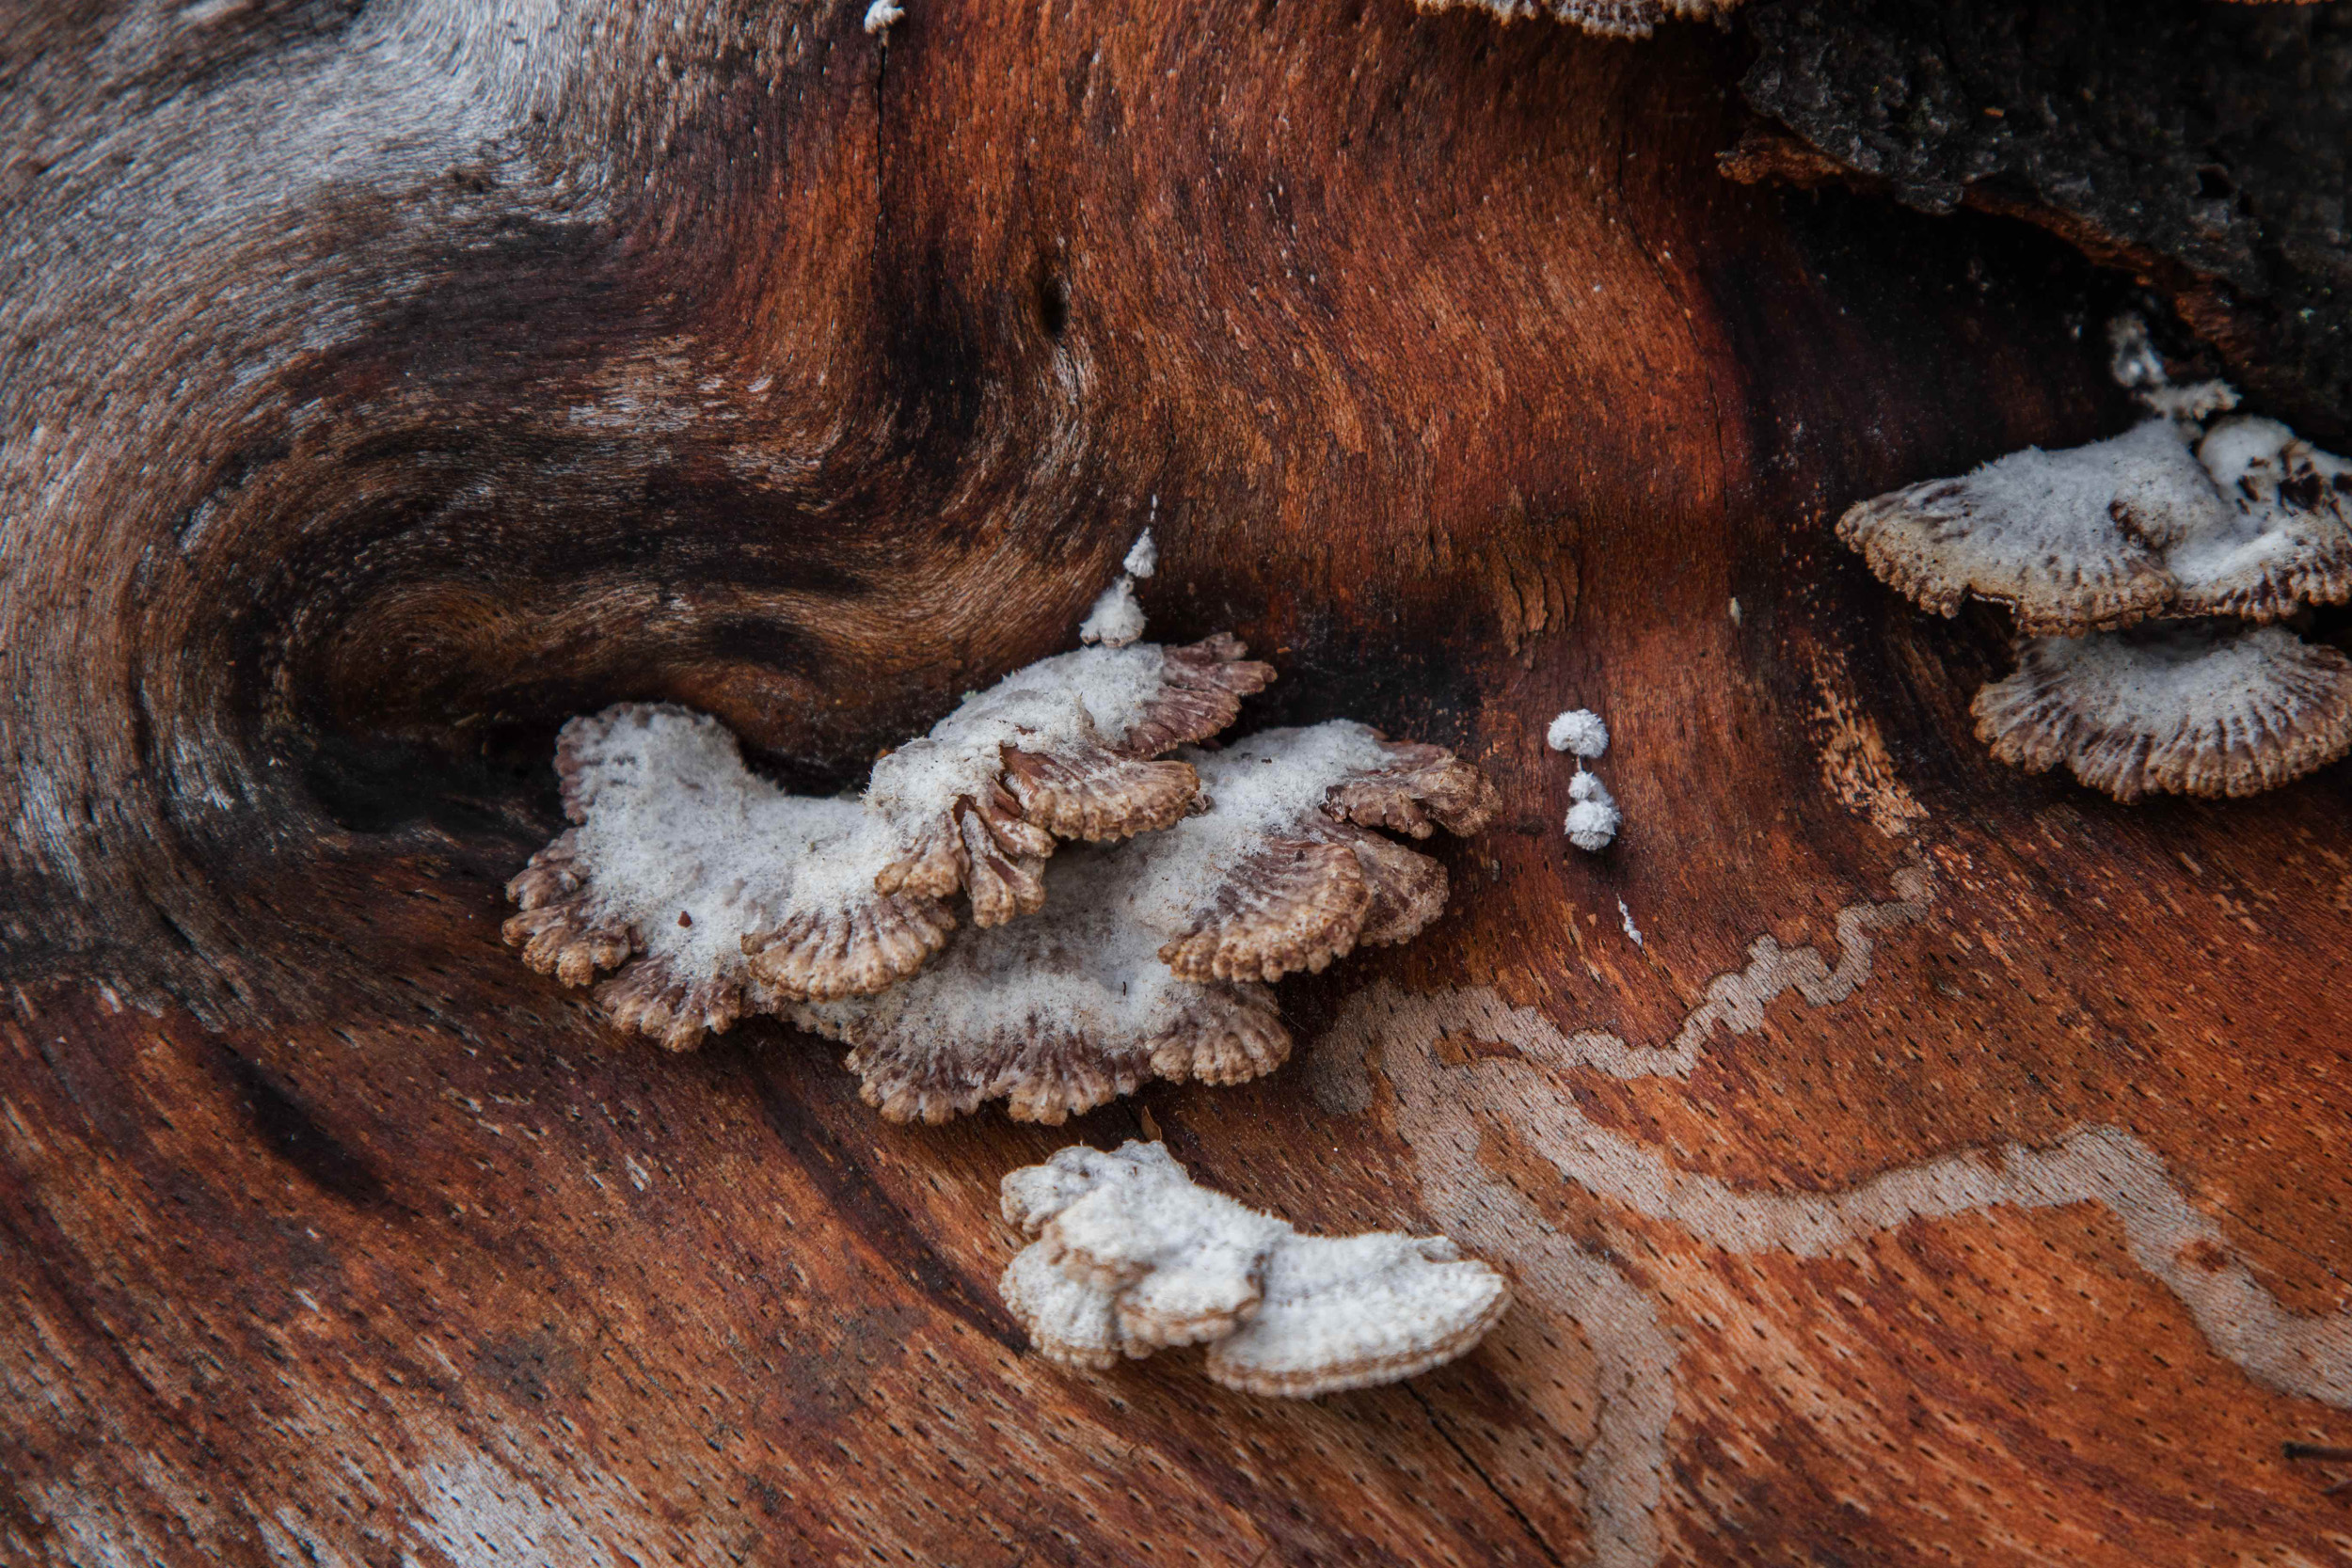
(720, 891)
(2196, 709)
(1151, 958)
(1130, 1257)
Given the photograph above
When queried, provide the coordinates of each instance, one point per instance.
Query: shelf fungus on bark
(2196, 514)
(1153, 955)
(679, 853)
(1061, 750)
(2214, 709)
(715, 891)
(2249, 521)
(1130, 1257)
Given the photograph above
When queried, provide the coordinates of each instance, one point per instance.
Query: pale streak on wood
(1855, 765)
(1440, 1109)
(1621, 1470)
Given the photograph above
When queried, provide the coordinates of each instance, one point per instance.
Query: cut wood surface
(1899, 1159)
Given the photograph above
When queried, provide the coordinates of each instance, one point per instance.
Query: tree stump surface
(1951, 1169)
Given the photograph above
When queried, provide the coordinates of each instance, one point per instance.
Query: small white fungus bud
(1144, 558)
(1580, 732)
(1594, 819)
(1117, 619)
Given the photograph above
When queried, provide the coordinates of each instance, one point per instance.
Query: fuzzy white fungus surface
(1087, 964)
(1116, 620)
(1594, 819)
(675, 824)
(1579, 731)
(1143, 557)
(1094, 695)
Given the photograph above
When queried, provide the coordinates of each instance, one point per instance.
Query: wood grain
(380, 385)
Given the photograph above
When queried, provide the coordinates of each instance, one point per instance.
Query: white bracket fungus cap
(720, 891)
(2164, 523)
(1131, 1256)
(681, 853)
(2250, 522)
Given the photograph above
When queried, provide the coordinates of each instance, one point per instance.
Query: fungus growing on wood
(1620, 18)
(714, 882)
(1593, 817)
(1131, 1256)
(2168, 523)
(2251, 522)
(2062, 538)
(2198, 708)
(1059, 750)
(681, 853)
(1117, 619)
(1152, 958)
(2283, 536)
(1579, 731)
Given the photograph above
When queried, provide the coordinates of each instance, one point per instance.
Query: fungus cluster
(713, 891)
(1593, 817)
(2155, 578)
(1130, 1257)
(1621, 18)
(1201, 876)
(1154, 957)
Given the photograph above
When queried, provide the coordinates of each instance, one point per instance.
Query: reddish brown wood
(1468, 391)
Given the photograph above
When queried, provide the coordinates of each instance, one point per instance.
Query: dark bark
(2209, 146)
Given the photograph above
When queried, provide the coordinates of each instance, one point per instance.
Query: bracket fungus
(2247, 521)
(1130, 1257)
(2178, 521)
(713, 890)
(2197, 707)
(1153, 955)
